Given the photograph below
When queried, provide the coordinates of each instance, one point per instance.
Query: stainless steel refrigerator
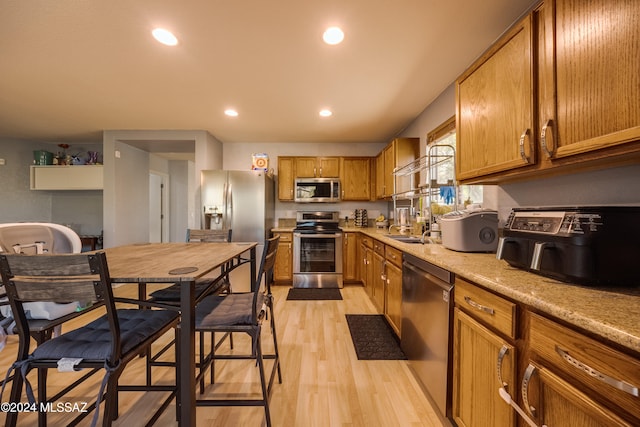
(243, 201)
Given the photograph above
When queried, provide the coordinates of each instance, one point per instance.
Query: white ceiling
(70, 69)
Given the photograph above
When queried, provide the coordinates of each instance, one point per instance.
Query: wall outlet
(2, 162)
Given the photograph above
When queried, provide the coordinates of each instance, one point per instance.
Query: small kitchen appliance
(470, 231)
(583, 245)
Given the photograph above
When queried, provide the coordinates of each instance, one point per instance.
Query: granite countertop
(612, 313)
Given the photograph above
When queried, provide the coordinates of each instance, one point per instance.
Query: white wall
(126, 186)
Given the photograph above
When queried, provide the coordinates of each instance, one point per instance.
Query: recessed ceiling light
(231, 112)
(164, 36)
(325, 113)
(333, 35)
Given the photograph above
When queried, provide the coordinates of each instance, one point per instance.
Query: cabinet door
(349, 253)
(356, 178)
(285, 178)
(495, 108)
(380, 176)
(367, 269)
(556, 402)
(283, 268)
(393, 303)
(589, 62)
(379, 280)
(306, 167)
(476, 352)
(328, 167)
(389, 165)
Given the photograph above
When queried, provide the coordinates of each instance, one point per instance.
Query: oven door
(317, 260)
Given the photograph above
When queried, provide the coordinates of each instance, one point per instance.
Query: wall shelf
(79, 177)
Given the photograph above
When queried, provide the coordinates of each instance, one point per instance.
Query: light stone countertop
(611, 313)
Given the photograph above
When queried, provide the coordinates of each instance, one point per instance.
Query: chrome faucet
(394, 225)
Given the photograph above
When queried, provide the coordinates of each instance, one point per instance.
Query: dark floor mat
(300, 294)
(373, 338)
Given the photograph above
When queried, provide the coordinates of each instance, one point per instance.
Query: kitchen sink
(406, 239)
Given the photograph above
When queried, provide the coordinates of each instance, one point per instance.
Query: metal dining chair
(244, 312)
(203, 287)
(109, 342)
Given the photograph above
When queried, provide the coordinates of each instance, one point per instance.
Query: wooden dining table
(181, 263)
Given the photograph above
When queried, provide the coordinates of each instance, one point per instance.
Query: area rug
(300, 294)
(373, 338)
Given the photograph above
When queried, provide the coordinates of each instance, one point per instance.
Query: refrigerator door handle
(229, 207)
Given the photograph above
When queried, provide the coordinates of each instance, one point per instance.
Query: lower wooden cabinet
(366, 267)
(556, 402)
(478, 355)
(393, 291)
(378, 282)
(283, 268)
(556, 374)
(350, 262)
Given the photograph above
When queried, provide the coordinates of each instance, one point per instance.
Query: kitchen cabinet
(393, 291)
(560, 110)
(78, 177)
(583, 108)
(355, 178)
(317, 167)
(572, 376)
(366, 271)
(484, 357)
(286, 178)
(398, 152)
(349, 257)
(283, 268)
(553, 372)
(495, 110)
(379, 176)
(379, 276)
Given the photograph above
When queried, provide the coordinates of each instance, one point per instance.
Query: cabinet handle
(525, 389)
(619, 384)
(525, 135)
(479, 307)
(549, 151)
(503, 352)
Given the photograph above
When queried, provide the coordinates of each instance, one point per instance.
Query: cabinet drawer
(610, 373)
(491, 309)
(367, 241)
(378, 247)
(284, 237)
(393, 255)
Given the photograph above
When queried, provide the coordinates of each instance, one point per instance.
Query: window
(445, 134)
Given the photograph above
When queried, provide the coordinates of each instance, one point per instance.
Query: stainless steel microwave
(317, 190)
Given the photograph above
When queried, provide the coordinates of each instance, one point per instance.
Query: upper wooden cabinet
(589, 60)
(286, 173)
(317, 167)
(397, 153)
(354, 172)
(355, 178)
(495, 112)
(558, 92)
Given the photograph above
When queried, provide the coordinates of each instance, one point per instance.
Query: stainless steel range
(317, 250)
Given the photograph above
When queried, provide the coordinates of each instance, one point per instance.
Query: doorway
(158, 207)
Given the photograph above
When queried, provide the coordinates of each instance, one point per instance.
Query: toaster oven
(597, 245)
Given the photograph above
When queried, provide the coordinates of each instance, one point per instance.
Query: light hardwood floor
(324, 384)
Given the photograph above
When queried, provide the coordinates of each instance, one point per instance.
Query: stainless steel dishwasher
(427, 298)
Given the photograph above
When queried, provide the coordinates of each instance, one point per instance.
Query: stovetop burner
(317, 222)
